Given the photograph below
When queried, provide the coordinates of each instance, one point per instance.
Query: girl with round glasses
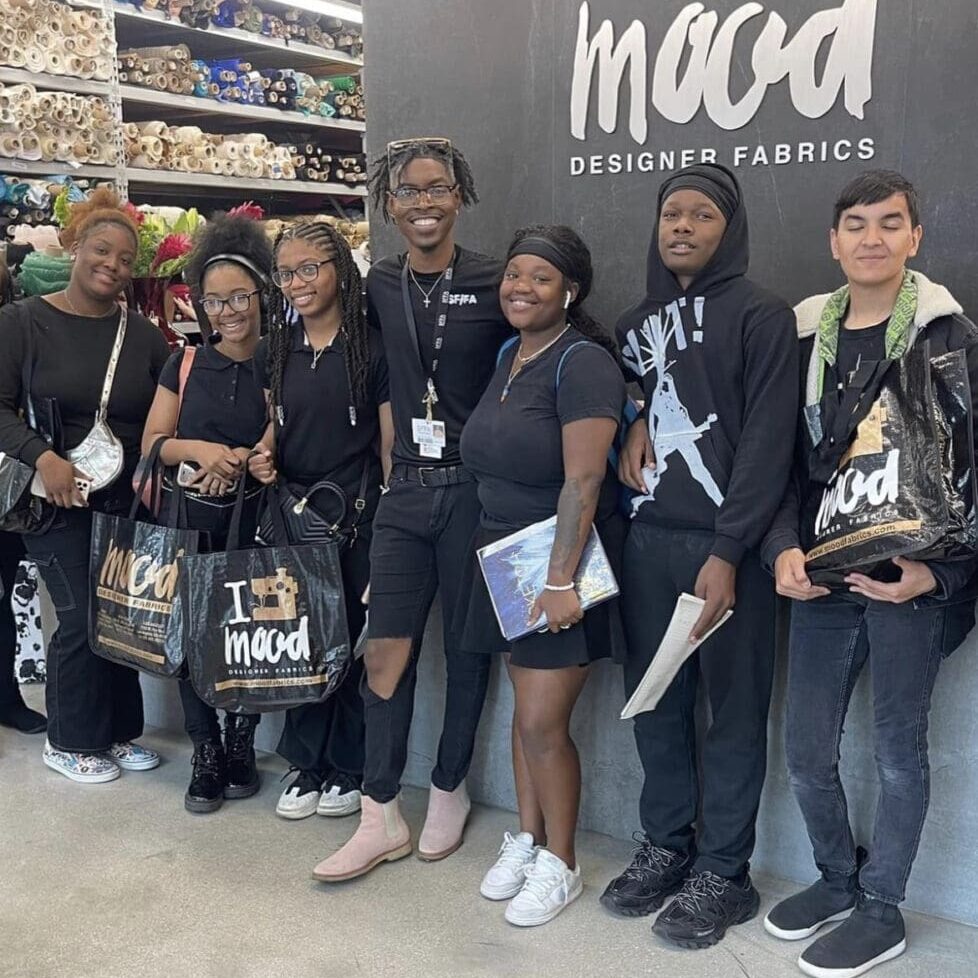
(325, 378)
(210, 407)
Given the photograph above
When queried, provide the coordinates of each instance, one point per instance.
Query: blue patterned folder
(515, 569)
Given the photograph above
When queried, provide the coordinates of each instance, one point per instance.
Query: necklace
(520, 361)
(71, 306)
(317, 354)
(426, 296)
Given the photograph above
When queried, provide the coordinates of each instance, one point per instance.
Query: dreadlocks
(577, 257)
(385, 171)
(353, 322)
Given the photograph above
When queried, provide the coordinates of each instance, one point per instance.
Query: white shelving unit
(148, 28)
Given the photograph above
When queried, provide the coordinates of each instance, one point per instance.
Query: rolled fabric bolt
(213, 166)
(103, 69)
(34, 59)
(10, 144)
(153, 128)
(192, 164)
(30, 148)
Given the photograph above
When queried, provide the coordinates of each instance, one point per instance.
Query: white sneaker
(340, 797)
(301, 798)
(133, 757)
(508, 873)
(83, 768)
(550, 886)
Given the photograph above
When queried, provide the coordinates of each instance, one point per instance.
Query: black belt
(432, 477)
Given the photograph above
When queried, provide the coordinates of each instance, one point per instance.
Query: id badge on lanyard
(427, 432)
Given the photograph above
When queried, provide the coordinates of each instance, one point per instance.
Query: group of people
(469, 398)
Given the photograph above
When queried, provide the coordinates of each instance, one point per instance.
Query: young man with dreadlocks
(326, 383)
(437, 306)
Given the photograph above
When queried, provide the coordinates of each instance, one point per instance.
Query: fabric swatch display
(53, 126)
(55, 38)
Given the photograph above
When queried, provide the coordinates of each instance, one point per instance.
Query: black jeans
(422, 538)
(832, 638)
(329, 736)
(91, 703)
(11, 552)
(737, 667)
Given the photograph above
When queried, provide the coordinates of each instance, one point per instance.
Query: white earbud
(567, 299)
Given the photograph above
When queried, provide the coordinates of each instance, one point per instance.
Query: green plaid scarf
(897, 329)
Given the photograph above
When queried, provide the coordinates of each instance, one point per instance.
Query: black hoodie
(718, 364)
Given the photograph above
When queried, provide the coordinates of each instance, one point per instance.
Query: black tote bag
(265, 629)
(134, 568)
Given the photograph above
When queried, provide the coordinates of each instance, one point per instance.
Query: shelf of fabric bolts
(53, 83)
(192, 104)
(202, 183)
(260, 50)
(40, 168)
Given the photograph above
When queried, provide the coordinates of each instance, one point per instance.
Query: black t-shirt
(316, 440)
(71, 355)
(475, 331)
(856, 346)
(223, 401)
(514, 447)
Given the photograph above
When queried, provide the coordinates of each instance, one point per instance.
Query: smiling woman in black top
(325, 378)
(538, 445)
(63, 343)
(213, 428)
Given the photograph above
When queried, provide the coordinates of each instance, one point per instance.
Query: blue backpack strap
(508, 345)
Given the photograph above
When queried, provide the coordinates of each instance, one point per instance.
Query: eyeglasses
(437, 194)
(306, 272)
(239, 302)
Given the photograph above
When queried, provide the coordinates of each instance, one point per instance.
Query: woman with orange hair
(69, 358)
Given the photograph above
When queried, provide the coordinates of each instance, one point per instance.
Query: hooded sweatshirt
(718, 366)
(940, 320)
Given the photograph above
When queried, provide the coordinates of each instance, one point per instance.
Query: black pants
(11, 552)
(329, 736)
(214, 522)
(91, 702)
(736, 665)
(422, 539)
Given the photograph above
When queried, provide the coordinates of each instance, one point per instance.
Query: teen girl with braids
(325, 378)
(62, 345)
(211, 417)
(437, 307)
(537, 445)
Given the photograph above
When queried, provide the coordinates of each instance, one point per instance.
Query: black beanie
(713, 181)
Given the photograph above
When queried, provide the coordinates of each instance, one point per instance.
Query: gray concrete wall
(497, 77)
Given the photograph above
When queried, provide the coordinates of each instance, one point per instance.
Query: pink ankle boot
(444, 824)
(382, 836)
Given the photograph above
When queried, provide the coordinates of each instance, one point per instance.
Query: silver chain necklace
(426, 296)
(317, 354)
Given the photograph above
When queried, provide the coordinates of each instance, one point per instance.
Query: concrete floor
(117, 881)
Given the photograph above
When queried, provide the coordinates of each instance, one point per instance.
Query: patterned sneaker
(507, 874)
(704, 908)
(301, 798)
(341, 795)
(131, 756)
(83, 768)
(550, 886)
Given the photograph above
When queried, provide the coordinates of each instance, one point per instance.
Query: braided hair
(580, 272)
(353, 321)
(385, 171)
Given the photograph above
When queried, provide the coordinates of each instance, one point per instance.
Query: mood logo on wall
(628, 85)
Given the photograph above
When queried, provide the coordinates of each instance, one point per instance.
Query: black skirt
(598, 636)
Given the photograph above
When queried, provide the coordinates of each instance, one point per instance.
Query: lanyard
(430, 397)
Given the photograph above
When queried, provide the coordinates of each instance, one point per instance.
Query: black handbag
(20, 510)
(306, 521)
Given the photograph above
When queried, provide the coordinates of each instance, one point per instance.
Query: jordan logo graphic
(670, 426)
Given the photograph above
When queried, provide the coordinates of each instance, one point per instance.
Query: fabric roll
(30, 146)
(10, 144)
(34, 59)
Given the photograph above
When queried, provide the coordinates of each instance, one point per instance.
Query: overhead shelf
(207, 183)
(263, 52)
(39, 168)
(53, 83)
(191, 103)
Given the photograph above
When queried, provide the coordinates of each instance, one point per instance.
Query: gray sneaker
(83, 768)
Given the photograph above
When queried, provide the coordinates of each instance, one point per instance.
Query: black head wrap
(545, 249)
(713, 181)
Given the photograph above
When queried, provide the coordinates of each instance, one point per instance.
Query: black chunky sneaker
(705, 907)
(653, 875)
(206, 791)
(242, 779)
(827, 900)
(872, 934)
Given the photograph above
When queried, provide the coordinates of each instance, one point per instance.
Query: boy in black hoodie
(717, 358)
(901, 618)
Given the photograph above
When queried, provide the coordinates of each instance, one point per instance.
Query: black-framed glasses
(239, 302)
(437, 194)
(308, 271)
